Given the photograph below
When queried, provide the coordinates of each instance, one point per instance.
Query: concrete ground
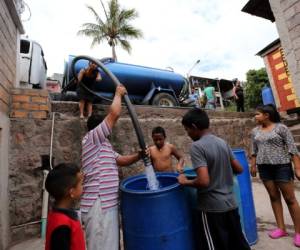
(265, 222)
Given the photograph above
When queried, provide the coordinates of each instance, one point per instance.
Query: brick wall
(8, 53)
(10, 28)
(30, 103)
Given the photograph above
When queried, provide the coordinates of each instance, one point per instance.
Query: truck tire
(164, 99)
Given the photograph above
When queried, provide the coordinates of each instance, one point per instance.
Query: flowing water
(153, 183)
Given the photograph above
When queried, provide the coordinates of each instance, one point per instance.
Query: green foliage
(256, 80)
(115, 28)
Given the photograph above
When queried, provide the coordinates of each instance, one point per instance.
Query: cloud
(176, 33)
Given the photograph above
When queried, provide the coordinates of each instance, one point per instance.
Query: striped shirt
(101, 178)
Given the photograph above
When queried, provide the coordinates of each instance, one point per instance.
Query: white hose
(51, 141)
(45, 193)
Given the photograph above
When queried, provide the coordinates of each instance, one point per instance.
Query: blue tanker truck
(144, 85)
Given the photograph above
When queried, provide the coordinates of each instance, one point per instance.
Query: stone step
(295, 131)
(291, 123)
(297, 138)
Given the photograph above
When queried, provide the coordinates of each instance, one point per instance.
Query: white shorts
(101, 228)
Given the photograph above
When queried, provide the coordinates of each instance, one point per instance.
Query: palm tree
(116, 29)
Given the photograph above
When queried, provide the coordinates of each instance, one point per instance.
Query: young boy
(218, 218)
(161, 152)
(64, 232)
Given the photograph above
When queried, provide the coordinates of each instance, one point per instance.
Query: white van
(33, 67)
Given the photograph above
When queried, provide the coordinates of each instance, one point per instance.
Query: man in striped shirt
(99, 201)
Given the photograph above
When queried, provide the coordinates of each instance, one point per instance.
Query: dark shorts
(83, 94)
(220, 231)
(278, 172)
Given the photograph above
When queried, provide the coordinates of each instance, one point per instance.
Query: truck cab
(33, 67)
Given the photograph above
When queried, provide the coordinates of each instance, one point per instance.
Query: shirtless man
(161, 152)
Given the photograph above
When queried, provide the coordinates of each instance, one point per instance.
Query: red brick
(39, 115)
(19, 114)
(39, 99)
(30, 106)
(44, 107)
(36, 92)
(20, 98)
(44, 93)
(16, 91)
(16, 105)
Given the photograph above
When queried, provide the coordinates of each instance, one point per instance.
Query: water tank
(155, 220)
(267, 96)
(246, 197)
(136, 78)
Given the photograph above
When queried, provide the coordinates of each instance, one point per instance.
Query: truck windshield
(24, 47)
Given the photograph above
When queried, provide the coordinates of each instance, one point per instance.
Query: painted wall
(287, 15)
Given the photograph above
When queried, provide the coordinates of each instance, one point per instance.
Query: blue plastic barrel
(267, 96)
(244, 180)
(191, 193)
(237, 193)
(158, 219)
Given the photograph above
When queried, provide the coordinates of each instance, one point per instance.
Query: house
(10, 30)
(286, 51)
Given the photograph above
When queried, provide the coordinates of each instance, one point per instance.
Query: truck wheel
(164, 99)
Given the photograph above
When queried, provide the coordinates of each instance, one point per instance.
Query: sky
(176, 33)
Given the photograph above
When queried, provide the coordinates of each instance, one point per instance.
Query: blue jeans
(276, 172)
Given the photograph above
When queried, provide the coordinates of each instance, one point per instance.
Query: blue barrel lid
(238, 150)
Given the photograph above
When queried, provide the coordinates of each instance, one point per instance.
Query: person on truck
(87, 77)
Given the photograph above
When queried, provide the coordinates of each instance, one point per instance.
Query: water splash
(153, 183)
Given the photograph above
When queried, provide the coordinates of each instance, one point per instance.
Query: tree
(116, 29)
(256, 80)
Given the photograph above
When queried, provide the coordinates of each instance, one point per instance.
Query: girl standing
(87, 77)
(273, 152)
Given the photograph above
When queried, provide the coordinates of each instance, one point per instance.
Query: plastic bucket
(158, 219)
(246, 197)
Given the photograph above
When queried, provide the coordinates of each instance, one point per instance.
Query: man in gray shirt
(218, 218)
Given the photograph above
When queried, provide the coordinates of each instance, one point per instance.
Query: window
(25, 47)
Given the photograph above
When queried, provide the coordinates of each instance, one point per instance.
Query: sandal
(277, 233)
(297, 240)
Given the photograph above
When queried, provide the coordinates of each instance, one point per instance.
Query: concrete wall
(30, 138)
(287, 15)
(4, 201)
